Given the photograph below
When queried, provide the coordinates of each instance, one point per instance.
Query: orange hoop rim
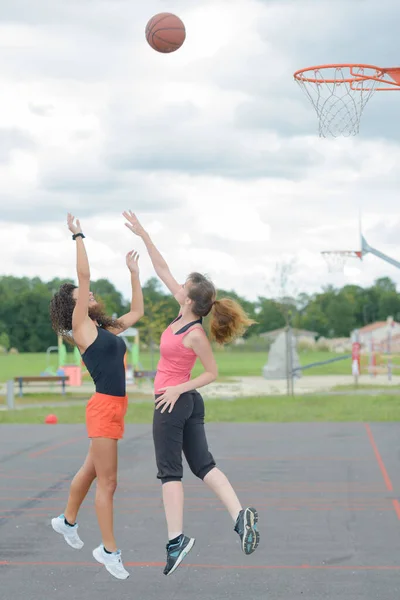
(393, 72)
(347, 253)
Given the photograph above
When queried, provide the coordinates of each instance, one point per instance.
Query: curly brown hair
(228, 319)
(62, 307)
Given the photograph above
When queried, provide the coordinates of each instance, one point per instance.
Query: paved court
(327, 495)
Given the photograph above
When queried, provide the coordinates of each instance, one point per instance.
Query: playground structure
(70, 364)
(378, 353)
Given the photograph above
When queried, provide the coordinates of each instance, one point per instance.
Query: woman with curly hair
(178, 424)
(79, 318)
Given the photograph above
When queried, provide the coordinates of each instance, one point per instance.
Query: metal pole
(390, 368)
(366, 248)
(287, 361)
(371, 359)
(10, 394)
(355, 356)
(151, 349)
(291, 361)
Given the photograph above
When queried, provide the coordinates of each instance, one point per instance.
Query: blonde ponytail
(228, 321)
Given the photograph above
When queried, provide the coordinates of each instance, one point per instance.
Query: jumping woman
(178, 424)
(77, 316)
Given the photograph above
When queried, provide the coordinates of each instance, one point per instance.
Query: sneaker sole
(77, 546)
(251, 537)
(106, 566)
(182, 556)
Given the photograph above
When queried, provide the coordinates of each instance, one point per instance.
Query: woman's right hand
(74, 227)
(133, 223)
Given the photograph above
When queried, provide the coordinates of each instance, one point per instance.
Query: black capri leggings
(182, 430)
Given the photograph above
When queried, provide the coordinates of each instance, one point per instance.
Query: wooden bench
(48, 379)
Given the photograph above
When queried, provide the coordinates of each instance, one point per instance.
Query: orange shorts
(105, 416)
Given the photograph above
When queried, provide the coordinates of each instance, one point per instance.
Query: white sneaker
(70, 533)
(112, 562)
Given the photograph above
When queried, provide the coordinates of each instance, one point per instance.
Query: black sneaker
(246, 527)
(177, 552)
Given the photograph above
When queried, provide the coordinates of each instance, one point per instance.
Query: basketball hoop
(336, 259)
(339, 93)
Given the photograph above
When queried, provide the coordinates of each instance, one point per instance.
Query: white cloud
(214, 146)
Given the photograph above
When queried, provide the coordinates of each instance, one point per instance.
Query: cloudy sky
(215, 146)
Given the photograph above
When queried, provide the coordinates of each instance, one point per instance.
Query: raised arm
(82, 327)
(159, 264)
(137, 306)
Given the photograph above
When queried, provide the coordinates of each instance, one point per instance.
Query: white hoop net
(336, 260)
(339, 104)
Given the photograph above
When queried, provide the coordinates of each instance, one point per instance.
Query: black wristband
(77, 235)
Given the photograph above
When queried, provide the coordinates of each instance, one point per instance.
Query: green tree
(340, 317)
(313, 318)
(4, 340)
(159, 310)
(113, 301)
(269, 316)
(385, 284)
(25, 322)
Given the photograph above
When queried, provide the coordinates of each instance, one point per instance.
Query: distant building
(379, 334)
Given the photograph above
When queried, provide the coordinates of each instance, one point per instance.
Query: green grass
(270, 409)
(231, 363)
(56, 398)
(364, 386)
(27, 365)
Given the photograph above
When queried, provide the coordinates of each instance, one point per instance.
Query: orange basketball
(165, 32)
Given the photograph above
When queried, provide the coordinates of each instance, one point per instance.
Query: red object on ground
(51, 420)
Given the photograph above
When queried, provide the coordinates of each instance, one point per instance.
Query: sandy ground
(258, 386)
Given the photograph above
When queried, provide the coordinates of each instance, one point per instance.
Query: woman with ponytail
(178, 424)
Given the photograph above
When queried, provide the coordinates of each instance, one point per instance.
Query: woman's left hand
(132, 259)
(73, 226)
(168, 398)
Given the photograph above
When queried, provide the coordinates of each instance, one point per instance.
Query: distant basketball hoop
(340, 92)
(336, 259)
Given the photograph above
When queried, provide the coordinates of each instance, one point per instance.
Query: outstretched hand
(133, 223)
(74, 227)
(132, 262)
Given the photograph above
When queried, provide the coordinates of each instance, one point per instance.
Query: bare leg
(105, 459)
(173, 498)
(79, 488)
(219, 484)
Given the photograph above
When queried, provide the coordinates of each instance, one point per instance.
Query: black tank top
(104, 359)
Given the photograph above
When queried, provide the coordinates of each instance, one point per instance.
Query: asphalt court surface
(327, 496)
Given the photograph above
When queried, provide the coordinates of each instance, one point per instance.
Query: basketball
(165, 32)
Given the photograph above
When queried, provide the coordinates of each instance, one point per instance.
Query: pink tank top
(176, 361)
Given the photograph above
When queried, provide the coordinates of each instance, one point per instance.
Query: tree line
(333, 312)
